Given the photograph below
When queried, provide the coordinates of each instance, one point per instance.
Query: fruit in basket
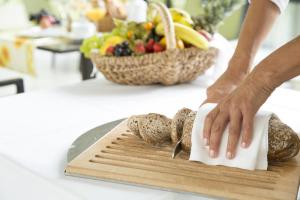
(122, 49)
(110, 51)
(179, 43)
(89, 44)
(179, 16)
(191, 36)
(163, 41)
(148, 26)
(139, 48)
(187, 34)
(158, 48)
(159, 29)
(150, 45)
(110, 41)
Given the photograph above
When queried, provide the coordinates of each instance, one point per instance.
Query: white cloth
(253, 157)
(281, 4)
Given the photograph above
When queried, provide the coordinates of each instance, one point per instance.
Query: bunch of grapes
(122, 49)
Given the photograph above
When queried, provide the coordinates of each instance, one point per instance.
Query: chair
(18, 82)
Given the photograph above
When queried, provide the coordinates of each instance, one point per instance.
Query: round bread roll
(187, 131)
(132, 124)
(284, 143)
(177, 124)
(155, 128)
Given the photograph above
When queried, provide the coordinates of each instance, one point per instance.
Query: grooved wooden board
(121, 156)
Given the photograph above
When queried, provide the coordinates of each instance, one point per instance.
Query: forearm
(282, 65)
(259, 19)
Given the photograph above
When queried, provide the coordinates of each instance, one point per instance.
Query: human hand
(236, 110)
(228, 81)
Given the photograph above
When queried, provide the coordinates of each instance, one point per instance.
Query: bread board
(121, 156)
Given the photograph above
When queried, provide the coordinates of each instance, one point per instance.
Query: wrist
(240, 62)
(238, 68)
(263, 81)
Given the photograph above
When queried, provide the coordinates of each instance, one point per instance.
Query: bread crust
(178, 123)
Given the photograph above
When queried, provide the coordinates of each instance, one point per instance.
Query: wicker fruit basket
(172, 66)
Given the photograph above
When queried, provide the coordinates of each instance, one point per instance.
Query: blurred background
(40, 39)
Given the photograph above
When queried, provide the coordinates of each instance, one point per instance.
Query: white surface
(251, 158)
(37, 128)
(18, 183)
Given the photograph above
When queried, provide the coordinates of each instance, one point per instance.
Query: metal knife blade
(177, 148)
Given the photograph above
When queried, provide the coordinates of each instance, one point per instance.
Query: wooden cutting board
(121, 156)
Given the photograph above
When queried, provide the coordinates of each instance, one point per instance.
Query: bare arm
(239, 108)
(282, 65)
(258, 22)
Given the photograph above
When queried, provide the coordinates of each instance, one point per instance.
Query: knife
(177, 148)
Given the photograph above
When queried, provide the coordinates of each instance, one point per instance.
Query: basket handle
(167, 22)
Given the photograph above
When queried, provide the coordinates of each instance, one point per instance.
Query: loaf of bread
(153, 128)
(177, 124)
(156, 129)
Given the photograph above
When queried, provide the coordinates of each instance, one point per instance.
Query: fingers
(215, 124)
(217, 130)
(234, 133)
(247, 130)
(209, 119)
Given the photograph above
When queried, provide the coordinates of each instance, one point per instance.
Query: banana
(186, 34)
(110, 41)
(159, 29)
(181, 16)
(190, 36)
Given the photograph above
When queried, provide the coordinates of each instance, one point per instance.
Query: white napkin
(253, 157)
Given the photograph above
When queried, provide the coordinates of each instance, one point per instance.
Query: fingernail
(244, 144)
(212, 153)
(205, 141)
(229, 155)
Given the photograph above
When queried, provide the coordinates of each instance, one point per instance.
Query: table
(37, 128)
(85, 67)
(17, 52)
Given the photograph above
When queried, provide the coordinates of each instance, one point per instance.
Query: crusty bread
(283, 141)
(186, 143)
(155, 128)
(177, 124)
(132, 124)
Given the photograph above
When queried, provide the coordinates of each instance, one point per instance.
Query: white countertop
(36, 129)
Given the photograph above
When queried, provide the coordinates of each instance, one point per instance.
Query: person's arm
(239, 108)
(259, 19)
(258, 22)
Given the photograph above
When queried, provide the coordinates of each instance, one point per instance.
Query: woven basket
(170, 67)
